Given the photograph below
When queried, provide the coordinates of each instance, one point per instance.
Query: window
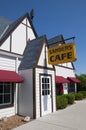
(6, 94)
(45, 86)
(65, 85)
(71, 88)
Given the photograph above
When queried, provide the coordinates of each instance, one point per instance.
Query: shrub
(70, 97)
(83, 93)
(78, 96)
(61, 102)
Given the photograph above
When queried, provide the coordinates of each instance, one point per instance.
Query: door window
(45, 86)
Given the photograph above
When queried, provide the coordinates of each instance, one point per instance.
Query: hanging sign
(62, 54)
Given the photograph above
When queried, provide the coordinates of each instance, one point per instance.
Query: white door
(46, 106)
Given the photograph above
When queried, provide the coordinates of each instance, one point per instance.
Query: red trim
(60, 79)
(10, 76)
(73, 79)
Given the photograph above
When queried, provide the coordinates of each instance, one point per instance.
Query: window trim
(12, 97)
(45, 81)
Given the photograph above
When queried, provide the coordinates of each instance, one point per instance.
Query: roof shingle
(31, 54)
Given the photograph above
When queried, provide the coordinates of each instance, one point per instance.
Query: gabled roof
(14, 25)
(32, 53)
(33, 50)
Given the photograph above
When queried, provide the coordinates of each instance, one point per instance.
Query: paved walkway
(71, 118)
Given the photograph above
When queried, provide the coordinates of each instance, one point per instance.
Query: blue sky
(54, 17)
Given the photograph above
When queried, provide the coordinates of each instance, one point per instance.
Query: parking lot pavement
(71, 118)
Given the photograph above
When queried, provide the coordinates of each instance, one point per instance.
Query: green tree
(81, 86)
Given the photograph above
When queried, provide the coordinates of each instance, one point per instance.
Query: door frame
(41, 74)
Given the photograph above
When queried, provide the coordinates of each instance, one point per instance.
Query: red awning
(60, 79)
(10, 76)
(73, 79)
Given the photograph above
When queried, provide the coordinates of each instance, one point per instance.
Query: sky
(54, 17)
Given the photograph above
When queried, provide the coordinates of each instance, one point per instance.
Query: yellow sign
(62, 54)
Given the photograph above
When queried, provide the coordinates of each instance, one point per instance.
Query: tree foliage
(82, 85)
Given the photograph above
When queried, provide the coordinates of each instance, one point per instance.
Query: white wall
(7, 112)
(11, 64)
(19, 39)
(38, 71)
(6, 45)
(25, 99)
(30, 32)
(7, 63)
(10, 111)
(65, 72)
(41, 61)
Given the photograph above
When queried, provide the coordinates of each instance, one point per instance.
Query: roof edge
(16, 25)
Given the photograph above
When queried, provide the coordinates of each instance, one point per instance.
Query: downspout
(75, 87)
(45, 60)
(16, 87)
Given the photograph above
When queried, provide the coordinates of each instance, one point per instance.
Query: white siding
(65, 72)
(6, 45)
(7, 112)
(7, 63)
(42, 57)
(69, 64)
(26, 93)
(38, 72)
(10, 111)
(30, 31)
(11, 64)
(19, 39)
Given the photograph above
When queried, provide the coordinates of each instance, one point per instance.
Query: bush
(78, 96)
(61, 102)
(83, 93)
(70, 97)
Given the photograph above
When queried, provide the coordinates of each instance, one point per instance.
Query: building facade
(28, 84)
(13, 40)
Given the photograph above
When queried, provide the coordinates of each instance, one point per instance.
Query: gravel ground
(11, 122)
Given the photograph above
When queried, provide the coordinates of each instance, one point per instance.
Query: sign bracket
(62, 40)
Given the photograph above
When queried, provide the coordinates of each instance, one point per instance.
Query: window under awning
(73, 79)
(61, 79)
(10, 76)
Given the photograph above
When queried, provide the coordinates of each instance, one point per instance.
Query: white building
(32, 91)
(13, 40)
(37, 94)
